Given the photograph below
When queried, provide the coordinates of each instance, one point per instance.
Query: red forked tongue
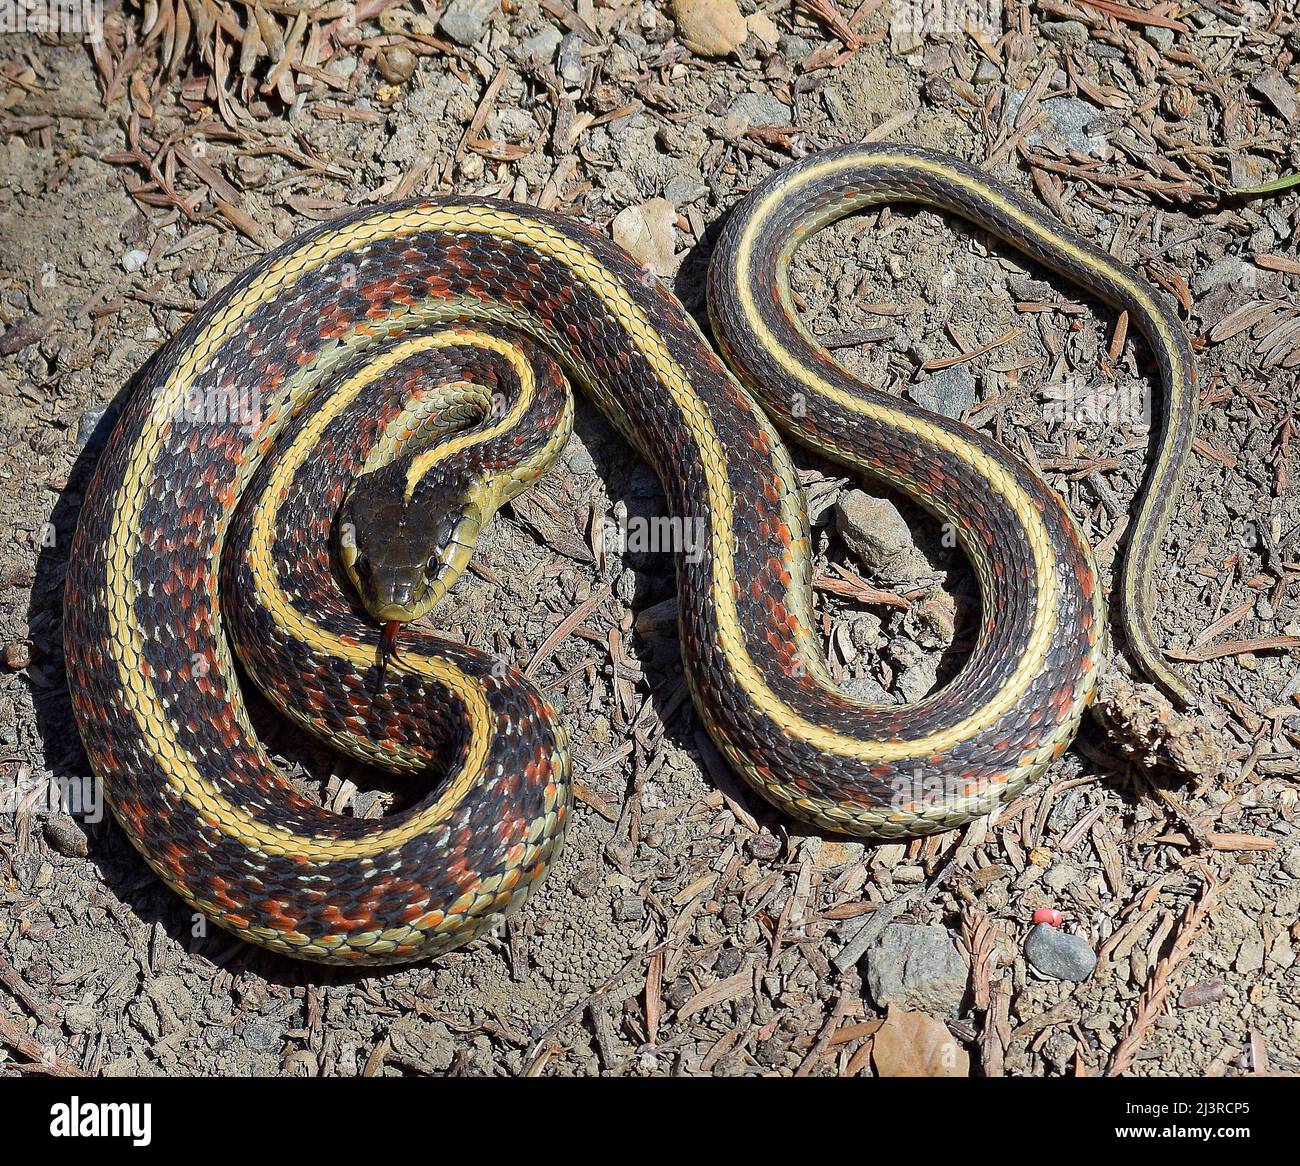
(388, 645)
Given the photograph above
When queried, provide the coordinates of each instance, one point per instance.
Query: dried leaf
(911, 1044)
(1238, 320)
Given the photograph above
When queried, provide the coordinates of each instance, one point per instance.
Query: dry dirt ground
(689, 929)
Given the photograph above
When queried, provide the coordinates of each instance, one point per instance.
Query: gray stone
(263, 1038)
(93, 427)
(1069, 123)
(1291, 862)
(918, 679)
(950, 391)
(754, 109)
(1059, 955)
(684, 188)
(630, 909)
(1277, 91)
(1250, 955)
(570, 65)
(1227, 269)
(1073, 118)
(1061, 876)
(793, 48)
(516, 124)
(872, 528)
(1162, 38)
(465, 20)
(1065, 32)
(865, 688)
(542, 46)
(917, 968)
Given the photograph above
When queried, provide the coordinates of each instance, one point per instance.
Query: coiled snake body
(364, 346)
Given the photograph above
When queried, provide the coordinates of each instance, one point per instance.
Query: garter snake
(385, 297)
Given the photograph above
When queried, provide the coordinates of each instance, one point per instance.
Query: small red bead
(1048, 915)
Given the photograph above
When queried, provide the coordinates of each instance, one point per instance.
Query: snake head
(403, 552)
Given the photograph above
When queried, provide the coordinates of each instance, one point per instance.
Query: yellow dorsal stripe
(139, 692)
(424, 462)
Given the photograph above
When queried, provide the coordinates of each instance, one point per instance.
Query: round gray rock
(1059, 955)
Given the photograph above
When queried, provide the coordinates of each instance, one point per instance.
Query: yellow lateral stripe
(139, 692)
(421, 464)
(1030, 665)
(1052, 239)
(252, 831)
(266, 581)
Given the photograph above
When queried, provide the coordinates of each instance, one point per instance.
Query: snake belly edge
(152, 675)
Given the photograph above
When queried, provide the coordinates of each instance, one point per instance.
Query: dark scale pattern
(814, 193)
(404, 722)
(871, 175)
(620, 334)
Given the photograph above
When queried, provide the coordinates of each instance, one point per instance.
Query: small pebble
(134, 260)
(710, 28)
(1058, 954)
(1162, 38)
(66, 837)
(1203, 993)
(396, 63)
(92, 428)
(684, 188)
(630, 909)
(262, 1038)
(341, 65)
(1227, 269)
(1277, 90)
(679, 993)
(569, 65)
(647, 233)
(751, 109)
(792, 47)
(587, 882)
(542, 46)
(950, 391)
(18, 655)
(465, 20)
(871, 528)
(917, 968)
(1066, 32)
(1061, 876)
